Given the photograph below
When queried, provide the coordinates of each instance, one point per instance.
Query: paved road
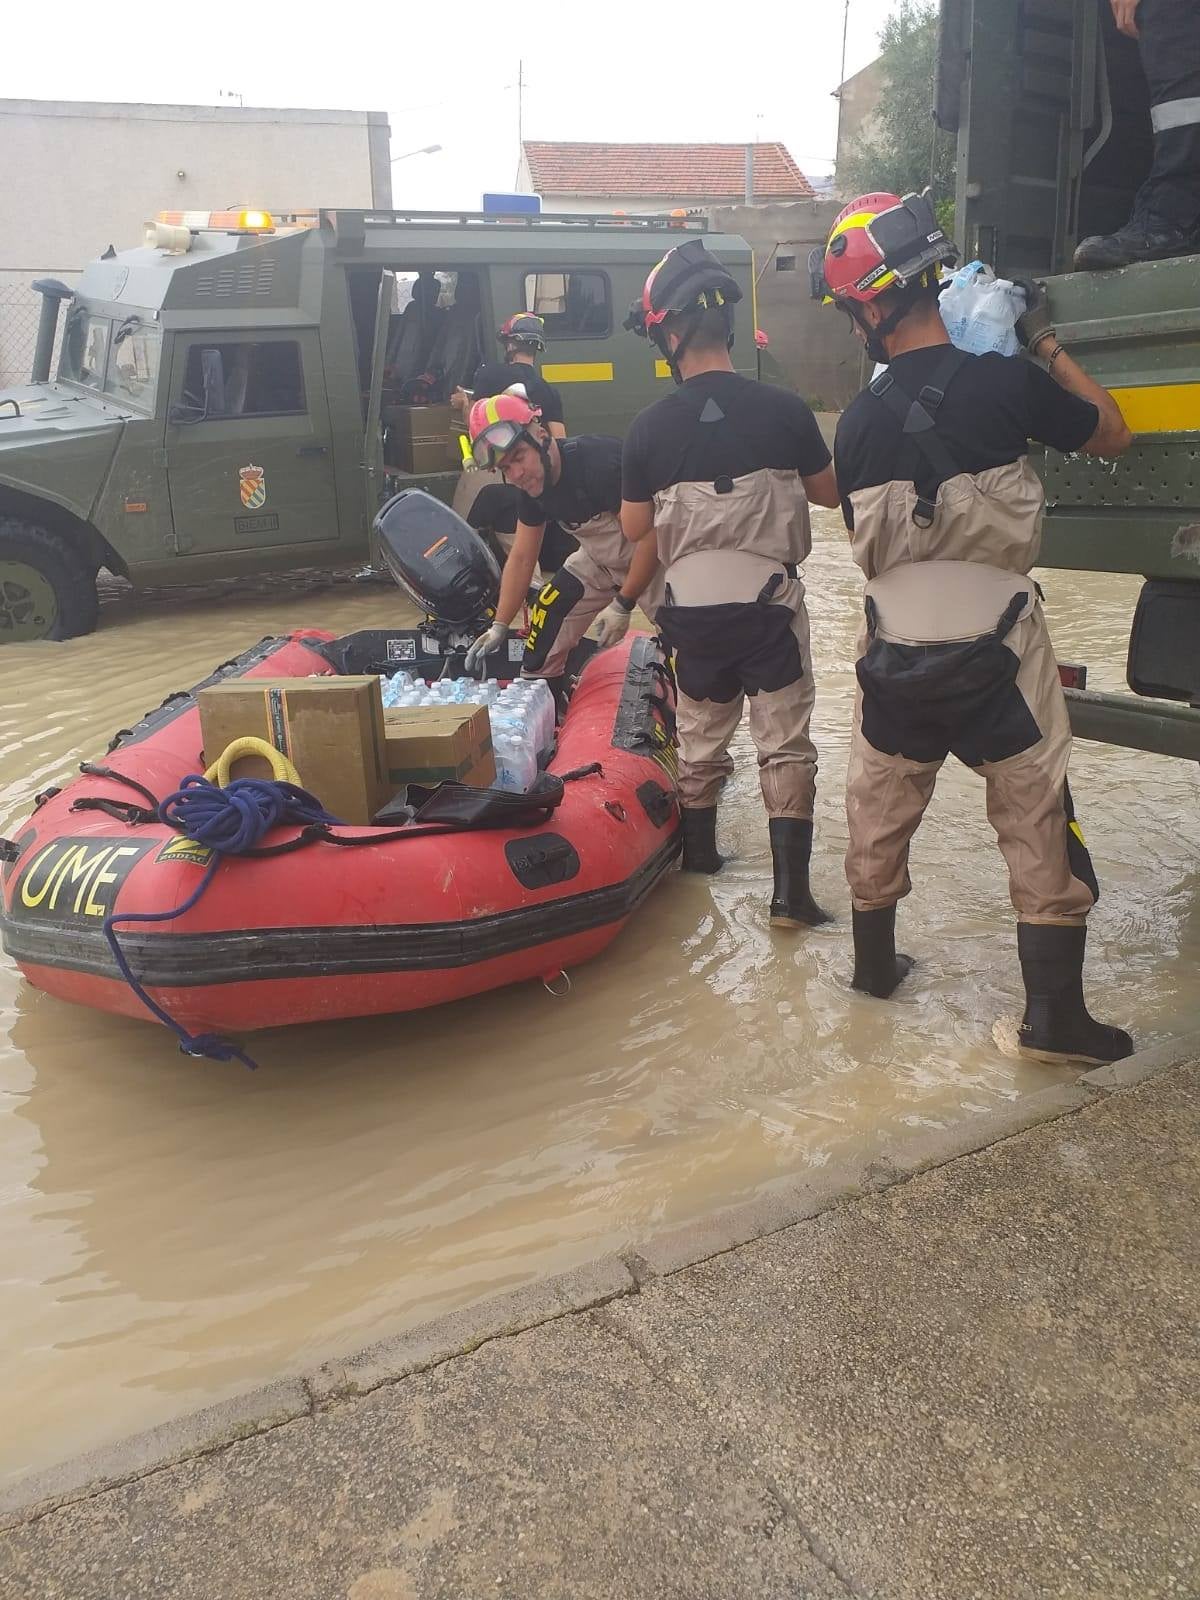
(978, 1384)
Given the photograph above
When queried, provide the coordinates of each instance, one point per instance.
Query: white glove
(496, 635)
(612, 624)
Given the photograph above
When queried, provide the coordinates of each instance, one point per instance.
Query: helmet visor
(909, 238)
(495, 442)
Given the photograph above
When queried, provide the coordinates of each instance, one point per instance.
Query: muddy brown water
(172, 1231)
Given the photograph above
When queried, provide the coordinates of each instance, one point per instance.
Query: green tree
(901, 148)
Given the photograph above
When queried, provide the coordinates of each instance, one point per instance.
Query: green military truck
(243, 392)
(1052, 116)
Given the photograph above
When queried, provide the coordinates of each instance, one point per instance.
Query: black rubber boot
(878, 970)
(1056, 1025)
(792, 904)
(1141, 239)
(700, 839)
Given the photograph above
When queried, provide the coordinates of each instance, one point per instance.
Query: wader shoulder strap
(918, 421)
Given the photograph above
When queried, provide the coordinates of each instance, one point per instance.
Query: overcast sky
(447, 74)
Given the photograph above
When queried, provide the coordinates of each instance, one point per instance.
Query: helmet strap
(873, 337)
(672, 357)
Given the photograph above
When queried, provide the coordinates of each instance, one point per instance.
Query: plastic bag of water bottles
(522, 717)
(980, 311)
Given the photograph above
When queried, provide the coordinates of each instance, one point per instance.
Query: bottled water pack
(980, 311)
(521, 712)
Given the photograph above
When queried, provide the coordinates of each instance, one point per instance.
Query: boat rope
(229, 822)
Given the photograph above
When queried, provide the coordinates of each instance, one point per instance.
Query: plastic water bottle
(980, 311)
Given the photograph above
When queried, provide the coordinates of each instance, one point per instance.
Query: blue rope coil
(229, 822)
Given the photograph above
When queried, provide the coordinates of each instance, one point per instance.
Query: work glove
(613, 623)
(1035, 322)
(496, 635)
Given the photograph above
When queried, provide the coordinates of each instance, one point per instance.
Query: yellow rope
(282, 770)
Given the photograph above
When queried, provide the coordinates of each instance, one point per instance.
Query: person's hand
(496, 635)
(1034, 324)
(612, 624)
(458, 400)
(1125, 16)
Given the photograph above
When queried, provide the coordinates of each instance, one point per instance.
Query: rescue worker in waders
(721, 470)
(945, 516)
(522, 338)
(577, 482)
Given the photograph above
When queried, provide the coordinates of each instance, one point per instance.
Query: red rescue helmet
(879, 242)
(523, 328)
(499, 423)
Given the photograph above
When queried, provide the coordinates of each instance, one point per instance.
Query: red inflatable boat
(326, 932)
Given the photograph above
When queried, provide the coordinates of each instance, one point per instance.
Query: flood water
(173, 1231)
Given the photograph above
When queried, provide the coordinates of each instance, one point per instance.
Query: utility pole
(520, 117)
(840, 96)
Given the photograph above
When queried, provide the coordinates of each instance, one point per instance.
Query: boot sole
(778, 921)
(1065, 1058)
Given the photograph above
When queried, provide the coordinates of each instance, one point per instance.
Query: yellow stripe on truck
(1161, 407)
(578, 371)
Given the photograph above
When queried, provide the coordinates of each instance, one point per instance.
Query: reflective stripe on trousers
(568, 604)
(1028, 801)
(1169, 44)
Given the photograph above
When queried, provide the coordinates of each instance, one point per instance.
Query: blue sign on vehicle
(513, 204)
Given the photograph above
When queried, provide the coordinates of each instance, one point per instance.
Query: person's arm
(1112, 436)
(641, 570)
(613, 622)
(518, 571)
(514, 586)
(813, 461)
(637, 519)
(821, 487)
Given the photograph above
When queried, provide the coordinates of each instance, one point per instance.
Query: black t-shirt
(994, 406)
(590, 482)
(719, 424)
(493, 377)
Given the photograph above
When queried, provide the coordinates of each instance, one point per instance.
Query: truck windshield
(116, 355)
(84, 348)
(133, 362)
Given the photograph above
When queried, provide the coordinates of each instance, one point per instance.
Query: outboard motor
(440, 561)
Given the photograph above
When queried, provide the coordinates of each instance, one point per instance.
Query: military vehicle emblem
(254, 487)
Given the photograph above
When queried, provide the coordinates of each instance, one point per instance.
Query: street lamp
(425, 150)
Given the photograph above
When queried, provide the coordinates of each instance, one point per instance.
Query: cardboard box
(433, 744)
(418, 437)
(330, 728)
(422, 455)
(420, 422)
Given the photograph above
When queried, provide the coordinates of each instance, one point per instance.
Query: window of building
(785, 263)
(244, 379)
(574, 305)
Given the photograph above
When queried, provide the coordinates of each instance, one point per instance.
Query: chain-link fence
(19, 312)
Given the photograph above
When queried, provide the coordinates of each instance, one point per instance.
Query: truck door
(249, 447)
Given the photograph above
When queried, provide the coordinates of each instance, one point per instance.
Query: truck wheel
(46, 591)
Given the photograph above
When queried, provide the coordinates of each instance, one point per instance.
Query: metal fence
(19, 311)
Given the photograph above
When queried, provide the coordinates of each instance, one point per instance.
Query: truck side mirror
(183, 414)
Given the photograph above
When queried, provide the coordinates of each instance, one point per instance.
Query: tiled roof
(679, 171)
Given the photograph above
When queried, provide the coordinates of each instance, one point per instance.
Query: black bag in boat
(459, 805)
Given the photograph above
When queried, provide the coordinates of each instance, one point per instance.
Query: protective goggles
(498, 440)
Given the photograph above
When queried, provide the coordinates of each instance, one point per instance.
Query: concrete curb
(198, 1434)
(584, 1288)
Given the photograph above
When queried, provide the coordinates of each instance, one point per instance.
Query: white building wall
(79, 176)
